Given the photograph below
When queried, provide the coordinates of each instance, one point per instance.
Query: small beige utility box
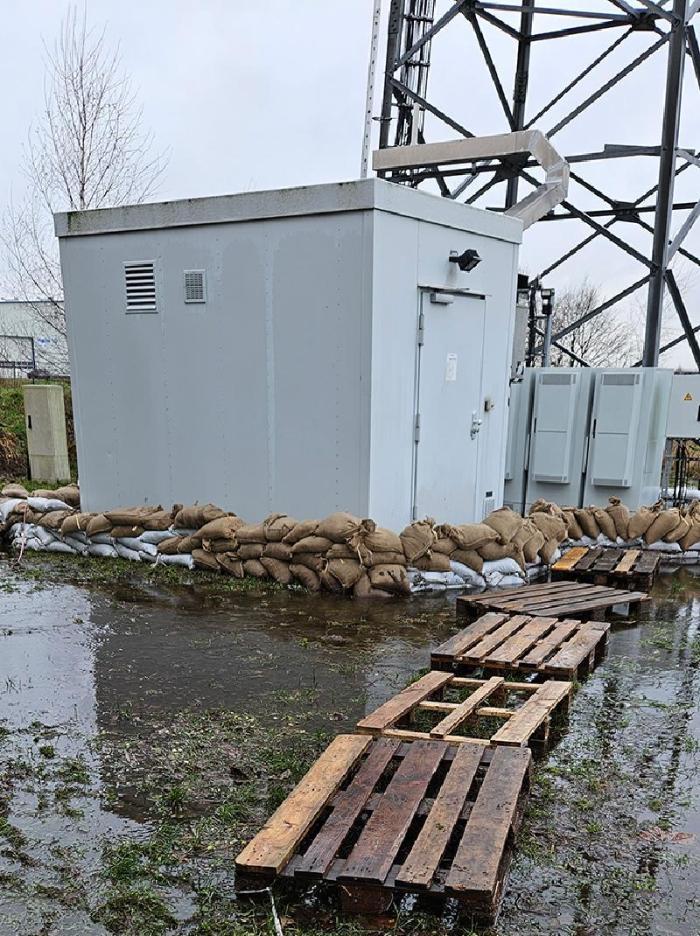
(47, 444)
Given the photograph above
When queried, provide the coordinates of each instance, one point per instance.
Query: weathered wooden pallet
(553, 599)
(562, 649)
(380, 818)
(618, 568)
(444, 707)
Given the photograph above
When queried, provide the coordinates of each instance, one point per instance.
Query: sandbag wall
(340, 553)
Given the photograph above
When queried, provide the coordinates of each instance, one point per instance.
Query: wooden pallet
(617, 568)
(553, 599)
(565, 649)
(379, 818)
(440, 706)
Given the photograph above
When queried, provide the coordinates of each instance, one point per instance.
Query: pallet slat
(463, 711)
(518, 729)
(402, 703)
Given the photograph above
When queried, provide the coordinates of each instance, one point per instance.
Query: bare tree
(87, 151)
(603, 341)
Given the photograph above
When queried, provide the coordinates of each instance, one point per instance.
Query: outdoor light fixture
(466, 261)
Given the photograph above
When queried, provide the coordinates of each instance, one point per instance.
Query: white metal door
(449, 406)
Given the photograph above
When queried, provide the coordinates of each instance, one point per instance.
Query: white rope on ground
(275, 917)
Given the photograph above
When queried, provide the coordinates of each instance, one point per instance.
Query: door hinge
(421, 328)
(416, 429)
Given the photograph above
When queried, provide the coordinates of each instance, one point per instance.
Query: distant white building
(28, 343)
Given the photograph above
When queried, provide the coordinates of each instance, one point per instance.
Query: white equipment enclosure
(301, 350)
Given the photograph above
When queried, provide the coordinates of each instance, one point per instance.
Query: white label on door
(451, 368)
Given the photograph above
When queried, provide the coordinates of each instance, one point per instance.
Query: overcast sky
(249, 96)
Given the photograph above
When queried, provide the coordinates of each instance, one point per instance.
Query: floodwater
(611, 840)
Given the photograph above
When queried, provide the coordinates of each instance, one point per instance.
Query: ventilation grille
(140, 281)
(489, 504)
(194, 286)
(620, 380)
(557, 379)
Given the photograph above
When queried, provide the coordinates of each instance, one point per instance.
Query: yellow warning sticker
(688, 397)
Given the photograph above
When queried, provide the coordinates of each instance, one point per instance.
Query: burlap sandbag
(19, 490)
(345, 571)
(255, 569)
(251, 533)
(587, 522)
(640, 521)
(418, 538)
(526, 531)
(338, 527)
(230, 564)
(573, 528)
(302, 529)
(313, 561)
(382, 540)
(693, 535)
(329, 583)
(123, 532)
(664, 522)
(505, 522)
(130, 516)
(312, 544)
(76, 523)
(279, 551)
(390, 578)
(186, 545)
(531, 549)
(492, 552)
(53, 520)
(194, 517)
(605, 522)
(205, 560)
(385, 558)
(159, 521)
(221, 528)
(340, 551)
(169, 547)
(219, 545)
(277, 570)
(277, 526)
(306, 577)
(435, 562)
(445, 545)
(69, 494)
(469, 558)
(469, 535)
(549, 507)
(552, 527)
(250, 550)
(98, 524)
(620, 517)
(678, 532)
(548, 551)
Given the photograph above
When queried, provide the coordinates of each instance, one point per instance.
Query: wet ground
(148, 726)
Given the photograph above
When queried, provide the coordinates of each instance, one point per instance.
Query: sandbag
(386, 558)
(345, 571)
(692, 536)
(98, 524)
(302, 529)
(329, 583)
(436, 562)
(230, 564)
(587, 522)
(255, 569)
(363, 589)
(251, 533)
(187, 545)
(418, 538)
(130, 516)
(46, 504)
(204, 560)
(469, 535)
(125, 553)
(553, 527)
(54, 519)
(505, 522)
(279, 551)
(76, 523)
(468, 557)
(313, 561)
(194, 517)
(467, 574)
(390, 578)
(620, 517)
(59, 547)
(277, 570)
(16, 491)
(169, 547)
(573, 527)
(548, 550)
(277, 526)
(222, 545)
(156, 536)
(382, 540)
(69, 493)
(120, 532)
(101, 551)
(340, 551)
(250, 550)
(338, 526)
(492, 552)
(312, 544)
(445, 545)
(185, 560)
(605, 522)
(158, 521)
(679, 531)
(640, 522)
(531, 549)
(306, 577)
(548, 507)
(664, 522)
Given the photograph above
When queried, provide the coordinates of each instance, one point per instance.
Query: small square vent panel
(140, 286)
(195, 286)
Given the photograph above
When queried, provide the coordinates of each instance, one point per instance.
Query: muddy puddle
(147, 728)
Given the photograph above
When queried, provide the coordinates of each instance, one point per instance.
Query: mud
(149, 724)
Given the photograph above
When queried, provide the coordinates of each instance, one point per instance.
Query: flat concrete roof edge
(360, 195)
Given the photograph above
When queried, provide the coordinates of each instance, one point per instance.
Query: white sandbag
(134, 542)
(101, 539)
(508, 581)
(125, 553)
(181, 559)
(59, 547)
(148, 557)
(78, 545)
(467, 575)
(79, 537)
(660, 546)
(506, 566)
(102, 551)
(45, 537)
(32, 543)
(45, 504)
(156, 536)
(8, 506)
